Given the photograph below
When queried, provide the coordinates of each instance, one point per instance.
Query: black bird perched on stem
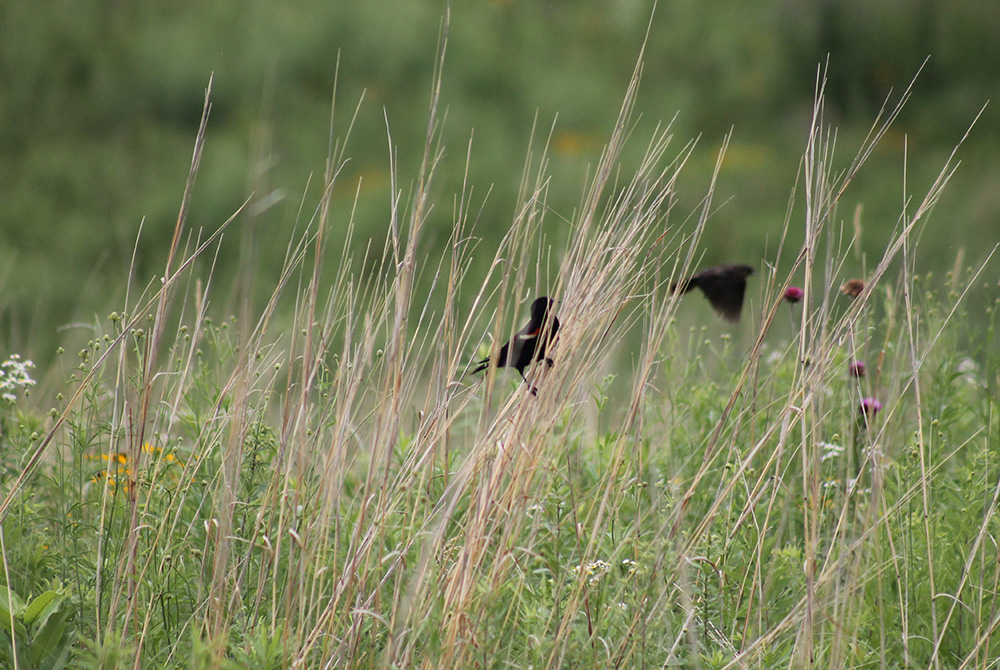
(528, 344)
(723, 285)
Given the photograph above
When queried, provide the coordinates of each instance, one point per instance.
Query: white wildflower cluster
(14, 377)
(594, 571)
(853, 487)
(629, 565)
(830, 450)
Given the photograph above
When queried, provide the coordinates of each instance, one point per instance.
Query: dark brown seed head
(853, 287)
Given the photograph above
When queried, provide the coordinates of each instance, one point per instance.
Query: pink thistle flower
(870, 406)
(793, 294)
(857, 369)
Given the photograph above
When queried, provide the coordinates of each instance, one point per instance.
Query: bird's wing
(684, 285)
(726, 299)
(523, 338)
(529, 332)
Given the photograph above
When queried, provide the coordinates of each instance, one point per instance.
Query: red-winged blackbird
(528, 344)
(723, 285)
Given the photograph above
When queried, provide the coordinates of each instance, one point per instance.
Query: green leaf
(50, 645)
(7, 596)
(42, 606)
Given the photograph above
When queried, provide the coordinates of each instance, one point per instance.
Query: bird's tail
(480, 366)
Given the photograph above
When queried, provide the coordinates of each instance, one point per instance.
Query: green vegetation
(327, 490)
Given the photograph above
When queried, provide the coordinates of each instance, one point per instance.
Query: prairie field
(314, 481)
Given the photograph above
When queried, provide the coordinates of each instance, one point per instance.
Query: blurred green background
(100, 103)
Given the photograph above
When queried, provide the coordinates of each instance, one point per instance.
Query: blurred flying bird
(723, 285)
(528, 344)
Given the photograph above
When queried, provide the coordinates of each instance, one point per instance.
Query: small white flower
(830, 450)
(594, 571)
(852, 487)
(598, 569)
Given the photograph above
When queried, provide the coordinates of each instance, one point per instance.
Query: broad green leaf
(43, 605)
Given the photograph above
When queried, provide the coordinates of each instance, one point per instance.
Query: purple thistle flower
(793, 294)
(870, 406)
(857, 369)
